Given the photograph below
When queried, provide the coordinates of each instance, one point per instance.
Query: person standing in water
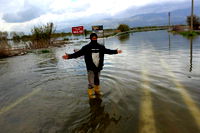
(94, 58)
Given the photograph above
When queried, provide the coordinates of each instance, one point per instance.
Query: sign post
(97, 28)
(78, 30)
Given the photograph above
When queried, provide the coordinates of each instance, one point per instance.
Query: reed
(4, 52)
(41, 36)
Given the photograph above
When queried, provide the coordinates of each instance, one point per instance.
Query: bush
(66, 39)
(41, 35)
(123, 27)
(45, 51)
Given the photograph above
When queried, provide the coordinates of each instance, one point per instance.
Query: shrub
(123, 27)
(41, 35)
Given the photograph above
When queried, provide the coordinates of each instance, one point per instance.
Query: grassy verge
(143, 29)
(190, 33)
(187, 34)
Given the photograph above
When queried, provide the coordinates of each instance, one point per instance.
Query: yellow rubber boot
(97, 90)
(91, 93)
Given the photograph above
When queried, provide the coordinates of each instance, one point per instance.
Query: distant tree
(123, 27)
(196, 21)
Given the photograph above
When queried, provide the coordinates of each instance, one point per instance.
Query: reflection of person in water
(94, 58)
(98, 120)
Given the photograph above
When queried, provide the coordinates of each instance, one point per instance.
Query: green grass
(189, 33)
(45, 51)
(66, 39)
(40, 51)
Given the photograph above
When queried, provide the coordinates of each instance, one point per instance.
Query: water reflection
(124, 37)
(191, 49)
(169, 37)
(99, 120)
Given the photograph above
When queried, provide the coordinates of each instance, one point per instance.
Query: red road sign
(78, 30)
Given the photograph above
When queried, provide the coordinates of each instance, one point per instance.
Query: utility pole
(192, 9)
(169, 20)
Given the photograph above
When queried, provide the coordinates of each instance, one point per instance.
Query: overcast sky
(22, 15)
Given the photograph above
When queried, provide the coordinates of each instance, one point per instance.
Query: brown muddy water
(152, 87)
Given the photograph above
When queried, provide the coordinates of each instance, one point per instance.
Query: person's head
(93, 37)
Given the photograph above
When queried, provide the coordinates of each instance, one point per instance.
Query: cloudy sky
(22, 15)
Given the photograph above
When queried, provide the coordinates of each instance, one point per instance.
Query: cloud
(153, 8)
(27, 13)
(63, 6)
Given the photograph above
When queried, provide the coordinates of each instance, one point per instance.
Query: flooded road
(153, 86)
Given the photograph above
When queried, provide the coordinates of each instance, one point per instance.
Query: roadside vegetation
(41, 36)
(149, 28)
(186, 31)
(123, 27)
(190, 33)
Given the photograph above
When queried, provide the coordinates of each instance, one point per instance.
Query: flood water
(152, 87)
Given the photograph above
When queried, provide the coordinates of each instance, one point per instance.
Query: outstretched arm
(109, 51)
(74, 55)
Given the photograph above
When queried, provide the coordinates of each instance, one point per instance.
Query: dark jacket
(87, 50)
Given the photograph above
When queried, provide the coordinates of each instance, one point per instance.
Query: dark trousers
(93, 79)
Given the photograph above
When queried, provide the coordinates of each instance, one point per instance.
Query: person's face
(94, 38)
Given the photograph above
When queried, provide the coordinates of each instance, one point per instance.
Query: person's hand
(119, 51)
(66, 56)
